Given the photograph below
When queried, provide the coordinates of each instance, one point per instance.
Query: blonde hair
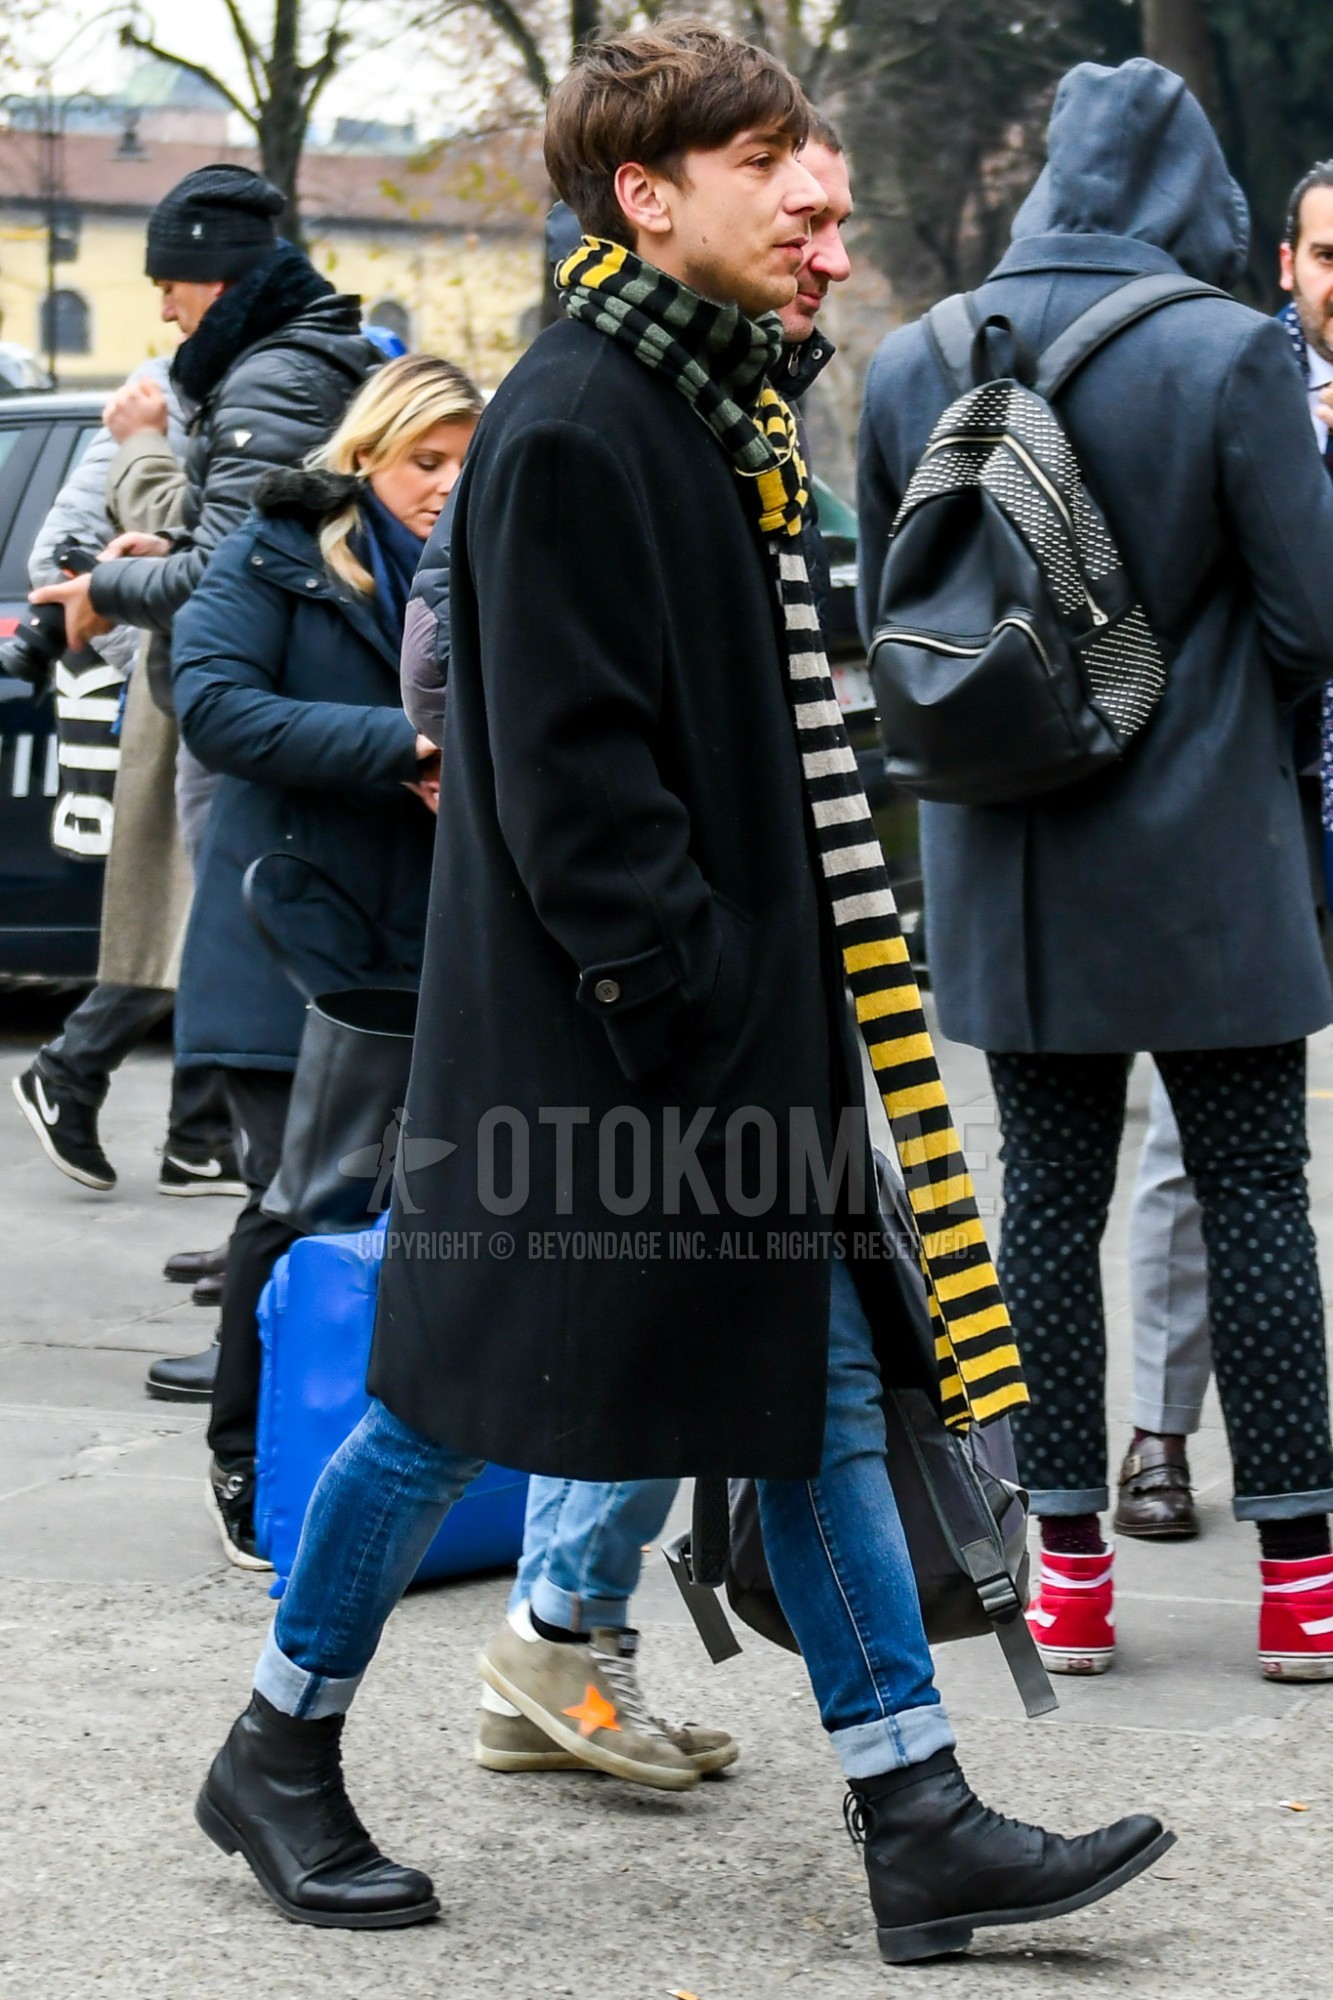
(389, 414)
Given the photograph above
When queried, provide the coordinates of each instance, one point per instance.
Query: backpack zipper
(951, 647)
(1052, 492)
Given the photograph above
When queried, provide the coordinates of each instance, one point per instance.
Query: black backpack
(1010, 656)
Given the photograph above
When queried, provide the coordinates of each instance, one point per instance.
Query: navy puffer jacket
(284, 683)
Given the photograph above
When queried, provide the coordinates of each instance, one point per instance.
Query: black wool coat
(625, 928)
(1164, 904)
(285, 684)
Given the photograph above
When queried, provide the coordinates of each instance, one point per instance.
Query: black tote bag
(342, 1141)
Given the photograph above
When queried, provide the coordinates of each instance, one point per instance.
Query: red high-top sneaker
(1072, 1616)
(1296, 1620)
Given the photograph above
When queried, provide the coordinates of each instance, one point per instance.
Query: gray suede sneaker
(512, 1743)
(585, 1700)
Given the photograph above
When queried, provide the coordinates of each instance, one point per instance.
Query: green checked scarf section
(720, 362)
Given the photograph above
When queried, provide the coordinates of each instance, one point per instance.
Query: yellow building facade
(462, 279)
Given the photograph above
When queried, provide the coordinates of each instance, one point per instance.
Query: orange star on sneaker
(593, 1712)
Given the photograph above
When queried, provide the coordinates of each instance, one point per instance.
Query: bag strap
(279, 951)
(951, 329)
(1123, 307)
(970, 1528)
(1003, 1606)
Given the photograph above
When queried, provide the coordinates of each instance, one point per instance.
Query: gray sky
(79, 38)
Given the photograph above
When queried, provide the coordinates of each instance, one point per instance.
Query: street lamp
(62, 224)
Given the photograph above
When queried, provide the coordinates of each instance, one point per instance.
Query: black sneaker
(214, 1172)
(65, 1129)
(231, 1502)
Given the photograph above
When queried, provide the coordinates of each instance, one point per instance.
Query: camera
(40, 640)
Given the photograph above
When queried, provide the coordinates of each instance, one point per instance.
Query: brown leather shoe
(1155, 1502)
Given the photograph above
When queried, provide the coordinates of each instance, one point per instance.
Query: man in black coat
(632, 1014)
(583, 1541)
(1163, 905)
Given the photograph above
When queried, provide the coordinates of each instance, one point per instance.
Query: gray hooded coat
(1166, 903)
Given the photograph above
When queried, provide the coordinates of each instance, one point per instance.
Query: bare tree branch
(249, 47)
(131, 38)
(512, 25)
(314, 76)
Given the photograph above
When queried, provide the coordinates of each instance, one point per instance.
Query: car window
(23, 446)
(836, 518)
(82, 440)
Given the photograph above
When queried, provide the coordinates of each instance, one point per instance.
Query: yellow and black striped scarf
(720, 361)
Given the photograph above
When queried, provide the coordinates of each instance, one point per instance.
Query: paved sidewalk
(126, 1647)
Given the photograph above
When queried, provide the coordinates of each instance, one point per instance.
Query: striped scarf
(719, 361)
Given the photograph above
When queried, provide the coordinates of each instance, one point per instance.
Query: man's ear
(639, 193)
(1286, 275)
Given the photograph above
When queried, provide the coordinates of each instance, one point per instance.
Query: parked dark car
(49, 904)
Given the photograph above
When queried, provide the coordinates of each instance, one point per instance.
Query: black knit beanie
(215, 225)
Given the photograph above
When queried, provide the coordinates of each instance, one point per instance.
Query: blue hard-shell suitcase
(316, 1317)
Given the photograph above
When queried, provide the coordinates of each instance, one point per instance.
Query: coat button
(258, 561)
(607, 991)
(312, 583)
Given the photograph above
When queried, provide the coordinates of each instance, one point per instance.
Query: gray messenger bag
(963, 1512)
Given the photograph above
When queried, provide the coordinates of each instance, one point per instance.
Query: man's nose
(805, 196)
(829, 257)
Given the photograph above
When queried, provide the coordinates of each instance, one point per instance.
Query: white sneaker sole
(660, 1777)
(530, 1760)
(188, 1188)
(43, 1138)
(234, 1555)
(1296, 1666)
(1069, 1660)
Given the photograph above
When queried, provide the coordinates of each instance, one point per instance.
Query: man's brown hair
(652, 96)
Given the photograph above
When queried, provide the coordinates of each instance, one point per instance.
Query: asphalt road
(126, 1645)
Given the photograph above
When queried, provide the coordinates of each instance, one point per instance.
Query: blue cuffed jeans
(835, 1545)
(583, 1548)
(838, 1558)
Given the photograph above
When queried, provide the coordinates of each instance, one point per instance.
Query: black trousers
(1241, 1114)
(258, 1100)
(108, 1024)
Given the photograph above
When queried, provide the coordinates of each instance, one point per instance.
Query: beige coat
(146, 900)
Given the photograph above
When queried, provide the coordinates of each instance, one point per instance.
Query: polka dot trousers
(1241, 1114)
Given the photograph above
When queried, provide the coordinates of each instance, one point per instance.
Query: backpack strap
(951, 328)
(1110, 316)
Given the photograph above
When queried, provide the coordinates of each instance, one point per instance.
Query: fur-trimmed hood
(307, 494)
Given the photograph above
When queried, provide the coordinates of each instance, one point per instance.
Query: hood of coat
(1130, 153)
(293, 504)
(285, 296)
(305, 494)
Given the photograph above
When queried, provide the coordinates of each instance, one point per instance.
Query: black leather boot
(941, 1865)
(184, 1378)
(275, 1795)
(187, 1267)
